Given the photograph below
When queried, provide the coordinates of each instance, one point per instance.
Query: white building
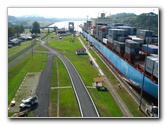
(101, 20)
(81, 51)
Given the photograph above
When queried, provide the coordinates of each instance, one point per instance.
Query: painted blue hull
(126, 69)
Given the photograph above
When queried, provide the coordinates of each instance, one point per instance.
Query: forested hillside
(141, 21)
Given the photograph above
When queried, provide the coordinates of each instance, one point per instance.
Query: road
(85, 102)
(43, 89)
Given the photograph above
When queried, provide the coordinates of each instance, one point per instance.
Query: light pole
(143, 79)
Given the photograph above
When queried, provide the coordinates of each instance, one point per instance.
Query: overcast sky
(76, 12)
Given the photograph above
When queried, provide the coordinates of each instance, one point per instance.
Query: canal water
(64, 24)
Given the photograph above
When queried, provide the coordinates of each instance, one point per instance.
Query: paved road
(87, 107)
(43, 89)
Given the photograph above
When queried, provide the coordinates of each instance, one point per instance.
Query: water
(64, 24)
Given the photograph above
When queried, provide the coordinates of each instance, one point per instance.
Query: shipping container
(138, 40)
(120, 47)
(151, 40)
(110, 45)
(156, 65)
(129, 30)
(151, 48)
(110, 39)
(132, 44)
(142, 33)
(120, 32)
(150, 60)
(155, 73)
(154, 55)
(123, 39)
(105, 40)
(129, 50)
(125, 68)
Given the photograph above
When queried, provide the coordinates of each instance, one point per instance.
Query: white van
(27, 103)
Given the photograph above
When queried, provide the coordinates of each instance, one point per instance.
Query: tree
(35, 28)
(17, 29)
(11, 32)
(21, 29)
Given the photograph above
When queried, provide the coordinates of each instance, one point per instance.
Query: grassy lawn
(49, 36)
(131, 104)
(104, 101)
(53, 103)
(41, 48)
(104, 68)
(64, 79)
(65, 44)
(68, 104)
(16, 49)
(54, 79)
(18, 71)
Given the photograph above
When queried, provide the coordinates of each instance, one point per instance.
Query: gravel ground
(26, 89)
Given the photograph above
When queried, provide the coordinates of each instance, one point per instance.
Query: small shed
(98, 81)
(81, 51)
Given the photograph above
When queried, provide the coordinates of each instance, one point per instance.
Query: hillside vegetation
(141, 21)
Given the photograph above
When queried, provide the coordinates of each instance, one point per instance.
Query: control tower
(71, 27)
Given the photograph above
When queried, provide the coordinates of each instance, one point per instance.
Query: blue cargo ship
(126, 69)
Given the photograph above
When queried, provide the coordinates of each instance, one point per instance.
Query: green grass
(132, 105)
(16, 49)
(105, 103)
(49, 36)
(54, 79)
(19, 70)
(41, 48)
(68, 104)
(104, 68)
(53, 103)
(65, 44)
(64, 79)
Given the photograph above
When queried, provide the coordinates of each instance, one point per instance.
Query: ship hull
(126, 69)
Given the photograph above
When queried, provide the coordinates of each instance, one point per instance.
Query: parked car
(30, 101)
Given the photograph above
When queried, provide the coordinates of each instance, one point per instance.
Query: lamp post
(143, 79)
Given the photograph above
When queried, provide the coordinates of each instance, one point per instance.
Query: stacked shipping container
(151, 48)
(141, 33)
(152, 65)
